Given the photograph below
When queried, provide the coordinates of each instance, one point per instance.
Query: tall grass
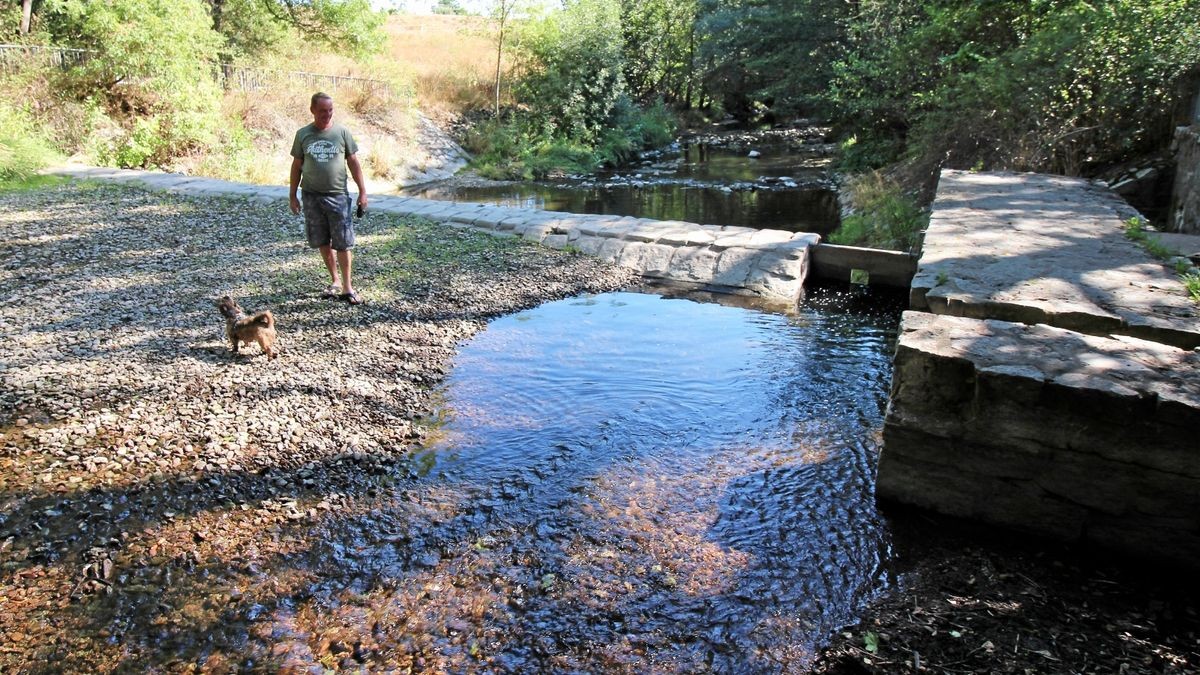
(451, 60)
(883, 215)
(24, 146)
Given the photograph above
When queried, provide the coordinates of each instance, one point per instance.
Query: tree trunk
(26, 15)
(691, 72)
(503, 8)
(218, 14)
(499, 53)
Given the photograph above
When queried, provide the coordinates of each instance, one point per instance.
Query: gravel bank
(149, 478)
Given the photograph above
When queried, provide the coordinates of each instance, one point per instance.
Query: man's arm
(357, 175)
(294, 184)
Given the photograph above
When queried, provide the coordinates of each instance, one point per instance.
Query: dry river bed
(167, 506)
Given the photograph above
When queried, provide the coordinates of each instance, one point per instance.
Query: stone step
(1047, 249)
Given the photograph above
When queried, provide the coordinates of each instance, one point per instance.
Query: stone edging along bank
(771, 264)
(1049, 379)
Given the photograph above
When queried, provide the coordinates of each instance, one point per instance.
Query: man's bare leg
(327, 256)
(345, 262)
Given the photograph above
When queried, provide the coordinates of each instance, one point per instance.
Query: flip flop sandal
(352, 298)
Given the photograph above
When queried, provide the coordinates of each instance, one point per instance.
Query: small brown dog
(240, 328)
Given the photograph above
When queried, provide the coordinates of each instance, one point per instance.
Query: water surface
(629, 481)
(785, 187)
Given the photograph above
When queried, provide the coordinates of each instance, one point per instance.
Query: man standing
(321, 153)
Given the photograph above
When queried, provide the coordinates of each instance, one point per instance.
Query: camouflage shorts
(327, 220)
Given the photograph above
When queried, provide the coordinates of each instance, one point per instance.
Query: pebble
(136, 388)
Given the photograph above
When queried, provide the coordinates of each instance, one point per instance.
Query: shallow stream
(631, 481)
(779, 181)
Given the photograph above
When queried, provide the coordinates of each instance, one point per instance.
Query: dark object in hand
(360, 211)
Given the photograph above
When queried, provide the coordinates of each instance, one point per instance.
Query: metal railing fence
(15, 57)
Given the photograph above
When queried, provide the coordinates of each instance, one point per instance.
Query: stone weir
(771, 264)
(1048, 377)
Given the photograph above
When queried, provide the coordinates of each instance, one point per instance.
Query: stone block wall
(770, 264)
(1049, 431)
(1185, 197)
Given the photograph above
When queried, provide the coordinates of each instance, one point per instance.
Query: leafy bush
(1048, 85)
(573, 63)
(515, 150)
(883, 216)
(236, 157)
(150, 69)
(24, 148)
(521, 149)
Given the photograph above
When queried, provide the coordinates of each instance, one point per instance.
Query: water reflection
(631, 482)
(782, 188)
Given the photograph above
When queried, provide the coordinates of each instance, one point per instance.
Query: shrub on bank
(883, 215)
(1065, 87)
(24, 146)
(517, 148)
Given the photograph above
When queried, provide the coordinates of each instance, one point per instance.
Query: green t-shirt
(324, 154)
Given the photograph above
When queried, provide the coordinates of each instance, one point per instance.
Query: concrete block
(888, 268)
(733, 237)
(650, 259)
(611, 249)
(539, 233)
(1066, 429)
(695, 264)
(589, 245)
(734, 266)
(644, 232)
(769, 238)
(594, 226)
(511, 223)
(558, 241)
(1046, 249)
(488, 220)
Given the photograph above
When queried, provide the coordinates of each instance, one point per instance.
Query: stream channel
(634, 482)
(772, 179)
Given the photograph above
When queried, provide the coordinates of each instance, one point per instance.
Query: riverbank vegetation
(138, 83)
(909, 87)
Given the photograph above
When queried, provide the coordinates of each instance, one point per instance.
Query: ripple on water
(629, 481)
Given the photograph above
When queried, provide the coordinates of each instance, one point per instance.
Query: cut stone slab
(695, 264)
(1186, 245)
(887, 268)
(734, 266)
(1047, 430)
(1046, 249)
(651, 259)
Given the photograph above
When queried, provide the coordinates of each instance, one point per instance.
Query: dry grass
(452, 59)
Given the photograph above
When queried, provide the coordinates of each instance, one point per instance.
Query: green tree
(449, 7)
(252, 26)
(1058, 85)
(573, 70)
(777, 53)
(659, 43)
(502, 13)
(151, 69)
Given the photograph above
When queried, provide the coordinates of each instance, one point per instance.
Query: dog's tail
(264, 319)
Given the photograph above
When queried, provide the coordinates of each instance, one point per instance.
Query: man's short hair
(317, 97)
